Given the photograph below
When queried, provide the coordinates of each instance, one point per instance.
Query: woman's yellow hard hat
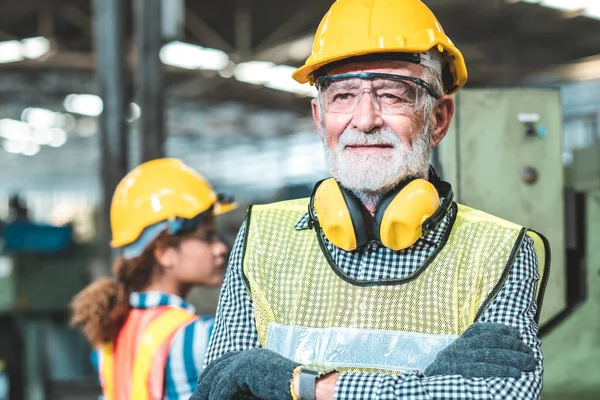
(156, 191)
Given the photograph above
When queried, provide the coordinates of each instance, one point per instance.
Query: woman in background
(149, 342)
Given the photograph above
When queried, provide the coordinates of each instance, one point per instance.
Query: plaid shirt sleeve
(234, 323)
(515, 305)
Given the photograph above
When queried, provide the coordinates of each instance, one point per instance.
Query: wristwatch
(308, 379)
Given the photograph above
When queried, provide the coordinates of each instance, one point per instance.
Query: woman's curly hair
(101, 308)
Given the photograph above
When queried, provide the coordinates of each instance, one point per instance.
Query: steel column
(149, 79)
(110, 53)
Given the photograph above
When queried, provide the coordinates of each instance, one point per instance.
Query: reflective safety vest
(134, 366)
(307, 309)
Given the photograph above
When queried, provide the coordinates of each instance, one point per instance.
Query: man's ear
(444, 110)
(317, 116)
(165, 256)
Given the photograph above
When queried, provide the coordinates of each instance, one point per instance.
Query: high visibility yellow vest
(307, 309)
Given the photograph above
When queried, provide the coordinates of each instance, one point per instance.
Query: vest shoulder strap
(474, 215)
(154, 336)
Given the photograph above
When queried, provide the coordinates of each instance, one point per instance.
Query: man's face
(369, 151)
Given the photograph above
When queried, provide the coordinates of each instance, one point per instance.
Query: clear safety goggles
(391, 94)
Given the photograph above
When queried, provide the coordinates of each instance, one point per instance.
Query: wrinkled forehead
(386, 66)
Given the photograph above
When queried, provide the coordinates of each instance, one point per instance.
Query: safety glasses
(391, 94)
(181, 226)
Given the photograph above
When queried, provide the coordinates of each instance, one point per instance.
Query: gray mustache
(381, 138)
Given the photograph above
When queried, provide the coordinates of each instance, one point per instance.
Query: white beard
(371, 176)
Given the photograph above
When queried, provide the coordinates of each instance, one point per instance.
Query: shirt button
(373, 245)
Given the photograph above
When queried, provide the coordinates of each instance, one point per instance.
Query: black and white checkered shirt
(514, 305)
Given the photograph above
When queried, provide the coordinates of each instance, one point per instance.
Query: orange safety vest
(133, 367)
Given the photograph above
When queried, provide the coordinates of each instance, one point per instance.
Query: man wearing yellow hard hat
(379, 286)
(149, 342)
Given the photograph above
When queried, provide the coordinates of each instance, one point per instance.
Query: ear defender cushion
(399, 219)
(340, 216)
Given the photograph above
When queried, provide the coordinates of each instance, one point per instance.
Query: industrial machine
(41, 353)
(503, 156)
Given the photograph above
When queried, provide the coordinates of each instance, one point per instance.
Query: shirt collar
(156, 299)
(434, 237)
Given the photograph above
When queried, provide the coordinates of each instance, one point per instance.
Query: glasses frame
(320, 81)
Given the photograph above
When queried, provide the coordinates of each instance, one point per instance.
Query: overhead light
(227, 71)
(31, 149)
(189, 56)
(300, 49)
(23, 138)
(21, 147)
(135, 112)
(15, 50)
(13, 129)
(14, 146)
(273, 76)
(35, 47)
(87, 127)
(11, 51)
(588, 8)
(65, 121)
(59, 137)
(255, 72)
(42, 136)
(84, 104)
(39, 117)
(281, 79)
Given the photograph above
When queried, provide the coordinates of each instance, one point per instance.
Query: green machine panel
(503, 155)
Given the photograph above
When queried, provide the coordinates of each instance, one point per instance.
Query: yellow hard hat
(160, 190)
(361, 27)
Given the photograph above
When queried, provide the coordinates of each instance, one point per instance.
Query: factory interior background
(91, 88)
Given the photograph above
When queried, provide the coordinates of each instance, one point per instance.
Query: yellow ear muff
(333, 215)
(402, 219)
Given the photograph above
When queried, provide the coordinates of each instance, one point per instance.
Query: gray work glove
(485, 350)
(255, 373)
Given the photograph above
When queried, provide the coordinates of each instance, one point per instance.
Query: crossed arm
(514, 306)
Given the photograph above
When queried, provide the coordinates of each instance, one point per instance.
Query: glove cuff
(294, 374)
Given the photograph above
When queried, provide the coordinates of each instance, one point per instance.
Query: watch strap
(308, 379)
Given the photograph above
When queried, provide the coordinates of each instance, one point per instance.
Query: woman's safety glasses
(391, 94)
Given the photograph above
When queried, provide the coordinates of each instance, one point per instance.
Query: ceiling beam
(4, 36)
(293, 50)
(243, 30)
(196, 87)
(297, 21)
(76, 17)
(204, 34)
